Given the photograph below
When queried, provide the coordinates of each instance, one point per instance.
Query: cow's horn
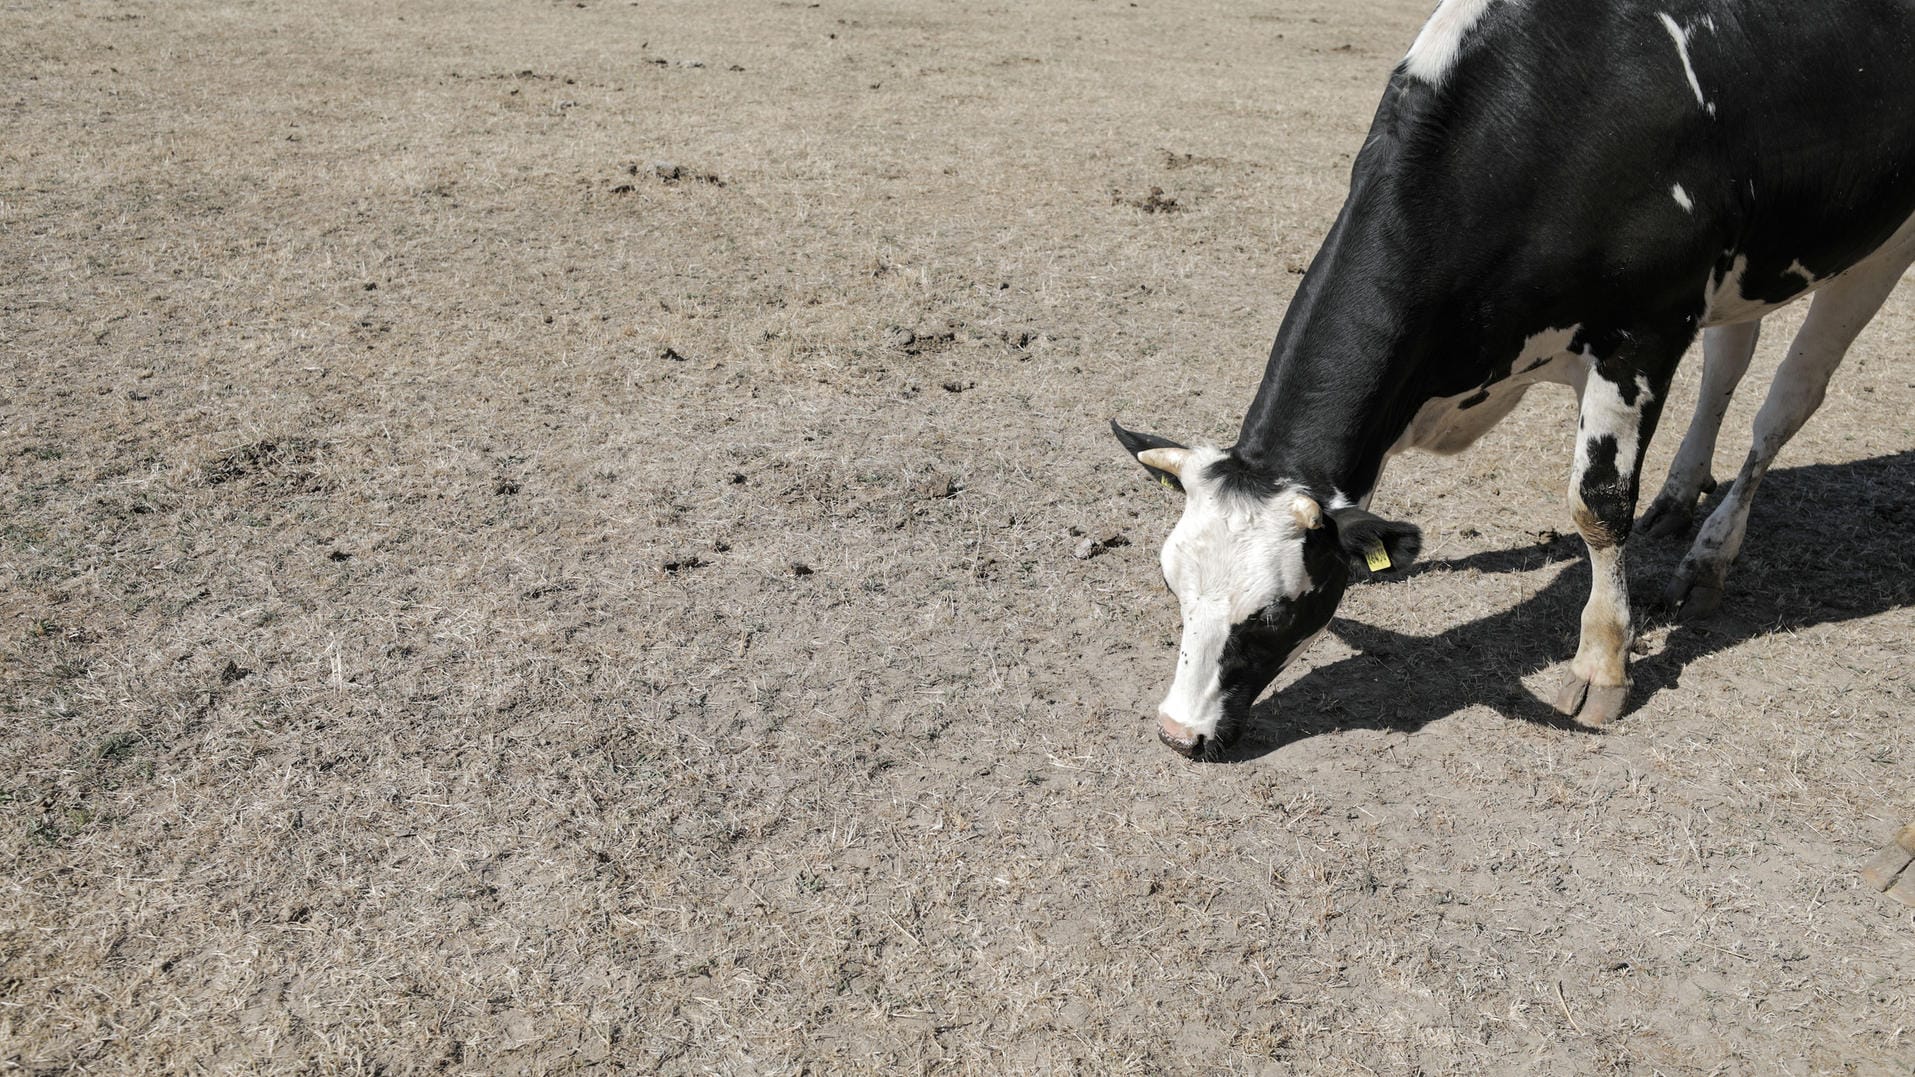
(1309, 514)
(1167, 460)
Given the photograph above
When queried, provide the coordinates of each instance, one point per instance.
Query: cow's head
(1258, 564)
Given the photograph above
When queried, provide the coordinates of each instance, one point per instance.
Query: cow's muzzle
(1186, 742)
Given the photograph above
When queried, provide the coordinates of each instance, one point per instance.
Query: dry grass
(407, 664)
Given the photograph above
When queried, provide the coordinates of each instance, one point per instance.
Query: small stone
(666, 170)
(1086, 550)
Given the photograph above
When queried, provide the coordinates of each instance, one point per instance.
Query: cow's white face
(1258, 568)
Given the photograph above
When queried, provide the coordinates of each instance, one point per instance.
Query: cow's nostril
(1189, 749)
(1181, 738)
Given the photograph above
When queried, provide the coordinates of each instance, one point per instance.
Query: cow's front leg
(1726, 351)
(1620, 404)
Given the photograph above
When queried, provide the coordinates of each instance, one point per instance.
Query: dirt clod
(919, 342)
(935, 485)
(1153, 201)
(280, 458)
(674, 173)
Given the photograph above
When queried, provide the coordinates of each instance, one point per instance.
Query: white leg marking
(1598, 677)
(1726, 351)
(1604, 412)
(1839, 312)
(1602, 656)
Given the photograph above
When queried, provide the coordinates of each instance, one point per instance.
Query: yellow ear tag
(1165, 483)
(1376, 556)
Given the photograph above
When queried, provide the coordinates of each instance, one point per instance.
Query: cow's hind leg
(1621, 402)
(1726, 351)
(1836, 315)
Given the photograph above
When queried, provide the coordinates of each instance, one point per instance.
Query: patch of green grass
(119, 747)
(21, 537)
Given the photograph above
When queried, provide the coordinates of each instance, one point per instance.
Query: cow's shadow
(1826, 543)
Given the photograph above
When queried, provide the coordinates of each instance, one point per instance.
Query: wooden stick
(1892, 862)
(1904, 890)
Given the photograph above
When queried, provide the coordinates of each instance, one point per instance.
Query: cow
(1563, 191)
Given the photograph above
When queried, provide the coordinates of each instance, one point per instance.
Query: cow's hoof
(1592, 705)
(1703, 600)
(1692, 593)
(1667, 517)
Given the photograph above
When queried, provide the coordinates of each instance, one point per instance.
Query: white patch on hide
(1444, 426)
(1724, 304)
(1722, 300)
(1682, 198)
(1228, 558)
(1436, 48)
(1681, 37)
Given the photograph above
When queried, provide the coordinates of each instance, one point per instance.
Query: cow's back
(1654, 151)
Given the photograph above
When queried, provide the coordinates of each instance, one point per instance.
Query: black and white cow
(1565, 191)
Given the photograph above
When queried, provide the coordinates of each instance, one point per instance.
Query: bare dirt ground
(474, 601)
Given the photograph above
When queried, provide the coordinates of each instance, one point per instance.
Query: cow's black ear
(1378, 544)
(1137, 444)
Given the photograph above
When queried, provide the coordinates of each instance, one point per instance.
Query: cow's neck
(1346, 372)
